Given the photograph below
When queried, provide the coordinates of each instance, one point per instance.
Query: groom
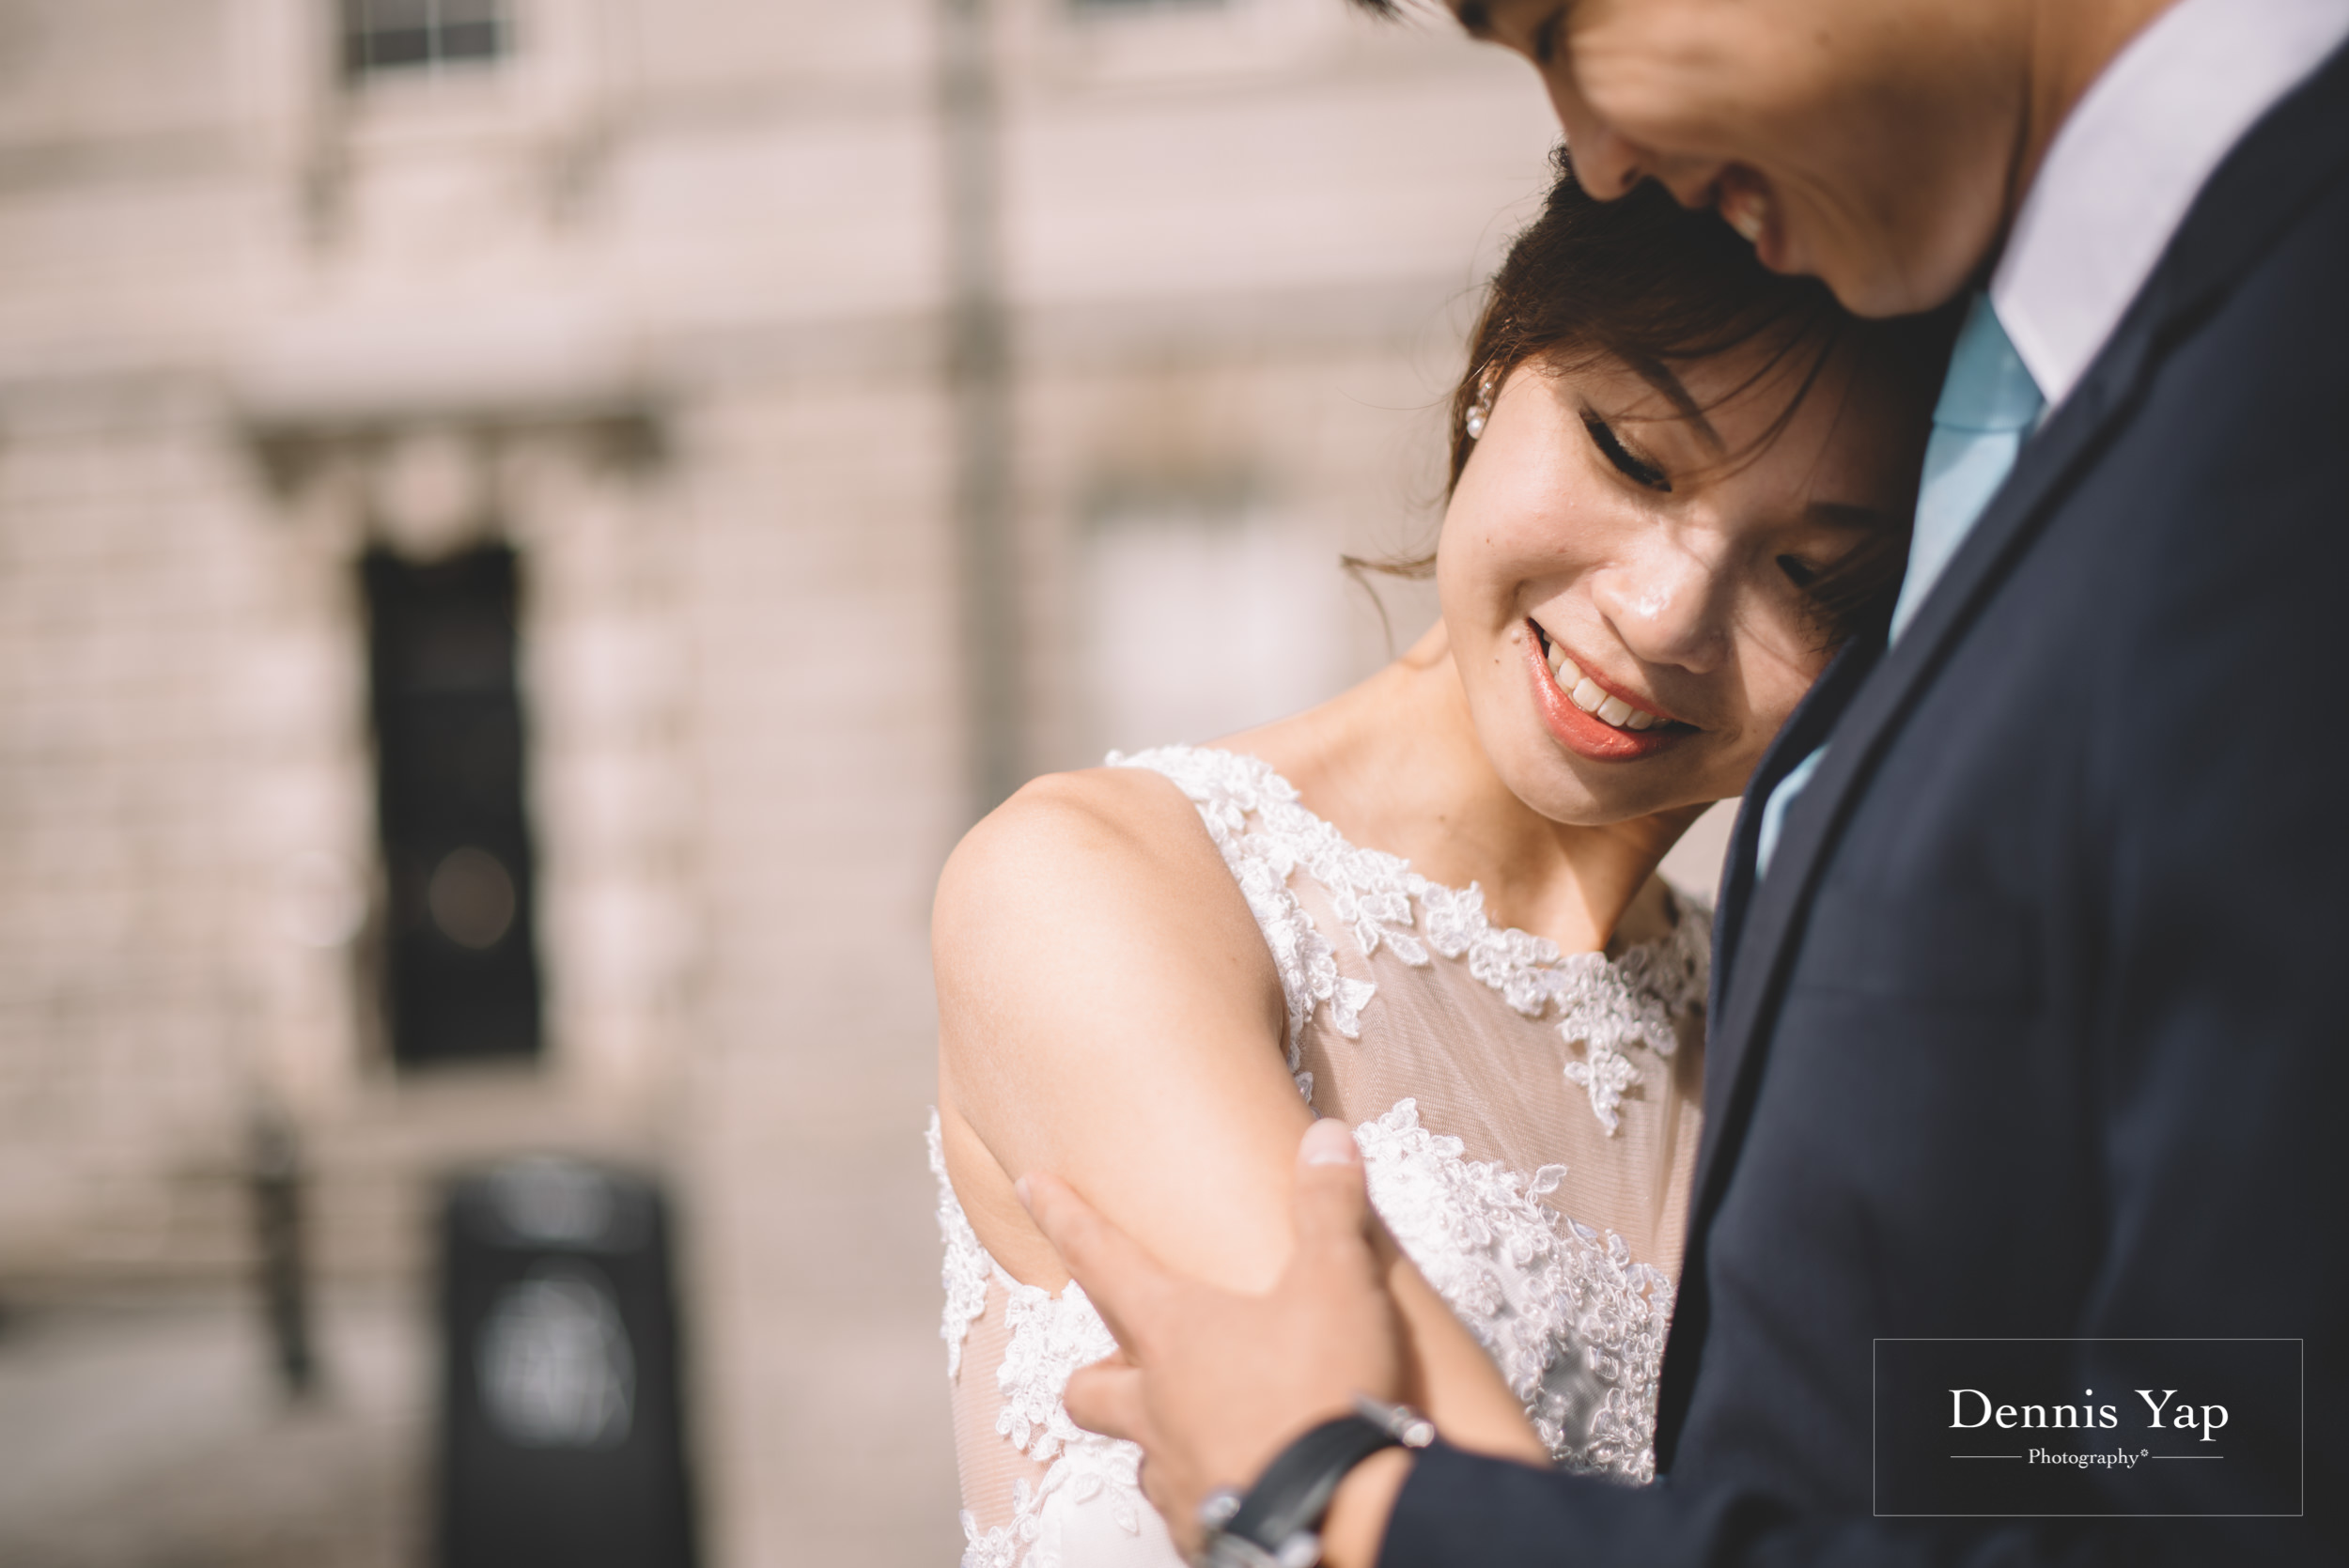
(2028, 1072)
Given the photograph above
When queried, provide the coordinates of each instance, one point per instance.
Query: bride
(1430, 906)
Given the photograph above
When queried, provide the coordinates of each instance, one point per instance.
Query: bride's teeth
(1594, 699)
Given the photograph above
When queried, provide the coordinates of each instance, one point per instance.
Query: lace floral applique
(1050, 1337)
(1000, 1547)
(1260, 862)
(1606, 1006)
(1575, 1327)
(965, 1271)
(1605, 1073)
(1611, 1005)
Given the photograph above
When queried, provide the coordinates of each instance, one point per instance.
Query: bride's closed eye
(1638, 471)
(1801, 573)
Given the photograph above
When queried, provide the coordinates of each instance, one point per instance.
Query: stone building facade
(655, 303)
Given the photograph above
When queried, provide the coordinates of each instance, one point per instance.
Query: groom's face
(1869, 143)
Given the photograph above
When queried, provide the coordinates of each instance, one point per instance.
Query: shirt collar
(2128, 162)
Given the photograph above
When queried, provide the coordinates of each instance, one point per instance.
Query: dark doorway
(460, 970)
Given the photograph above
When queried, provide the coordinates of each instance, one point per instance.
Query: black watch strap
(1284, 1509)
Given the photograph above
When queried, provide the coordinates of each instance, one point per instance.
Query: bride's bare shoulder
(1097, 811)
(1086, 821)
(1113, 855)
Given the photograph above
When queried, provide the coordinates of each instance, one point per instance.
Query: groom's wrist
(1356, 1525)
(1283, 1519)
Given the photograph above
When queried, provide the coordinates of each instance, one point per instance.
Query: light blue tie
(1988, 406)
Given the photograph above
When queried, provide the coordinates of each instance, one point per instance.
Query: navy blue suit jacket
(2036, 1027)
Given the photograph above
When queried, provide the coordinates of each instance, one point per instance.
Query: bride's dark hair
(1649, 283)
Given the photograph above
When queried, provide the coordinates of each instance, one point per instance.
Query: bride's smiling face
(1623, 583)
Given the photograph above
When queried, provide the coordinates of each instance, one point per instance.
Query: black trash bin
(561, 1433)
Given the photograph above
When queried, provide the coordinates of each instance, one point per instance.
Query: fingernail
(1328, 1141)
(1019, 1191)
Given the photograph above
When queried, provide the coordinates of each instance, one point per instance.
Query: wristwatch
(1276, 1523)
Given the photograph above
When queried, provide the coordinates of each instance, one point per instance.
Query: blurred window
(460, 978)
(408, 35)
(1200, 615)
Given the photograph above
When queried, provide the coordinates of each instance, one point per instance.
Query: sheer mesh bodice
(1528, 1121)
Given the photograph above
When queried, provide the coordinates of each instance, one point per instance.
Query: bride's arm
(1108, 1012)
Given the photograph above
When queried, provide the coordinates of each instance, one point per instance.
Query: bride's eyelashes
(1640, 471)
(1799, 572)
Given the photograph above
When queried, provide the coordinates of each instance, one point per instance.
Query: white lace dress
(1528, 1121)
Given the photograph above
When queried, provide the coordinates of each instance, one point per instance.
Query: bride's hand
(1212, 1383)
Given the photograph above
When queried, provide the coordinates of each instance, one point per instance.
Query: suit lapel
(1775, 910)
(2298, 151)
(1809, 725)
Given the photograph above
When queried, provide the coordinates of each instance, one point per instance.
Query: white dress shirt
(2130, 160)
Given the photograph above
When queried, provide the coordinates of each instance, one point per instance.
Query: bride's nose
(1667, 604)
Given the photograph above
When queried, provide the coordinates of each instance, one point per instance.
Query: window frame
(479, 35)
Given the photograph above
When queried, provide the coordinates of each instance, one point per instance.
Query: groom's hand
(1213, 1382)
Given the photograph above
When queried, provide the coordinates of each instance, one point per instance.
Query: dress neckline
(1608, 1003)
(1273, 781)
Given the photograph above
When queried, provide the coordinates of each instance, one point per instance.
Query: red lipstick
(1587, 735)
